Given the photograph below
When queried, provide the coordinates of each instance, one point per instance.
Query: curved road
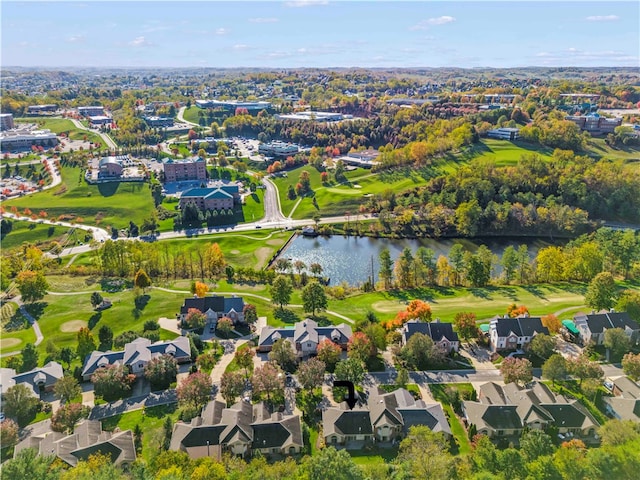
(180, 117)
(105, 138)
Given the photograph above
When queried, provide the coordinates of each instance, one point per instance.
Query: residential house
(242, 430)
(87, 439)
(505, 411)
(136, 355)
(593, 326)
(305, 337)
(215, 307)
(507, 333)
(625, 404)
(385, 418)
(38, 380)
(442, 334)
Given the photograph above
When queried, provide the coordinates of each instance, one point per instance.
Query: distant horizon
(320, 34)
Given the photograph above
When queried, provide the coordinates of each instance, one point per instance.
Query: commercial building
(6, 121)
(91, 111)
(194, 168)
(99, 120)
(595, 124)
(233, 104)
(24, 138)
(40, 109)
(214, 198)
(154, 121)
(364, 158)
(504, 133)
(310, 116)
(277, 149)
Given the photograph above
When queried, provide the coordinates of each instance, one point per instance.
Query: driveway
(567, 349)
(478, 356)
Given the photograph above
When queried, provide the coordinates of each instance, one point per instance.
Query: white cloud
(603, 18)
(576, 57)
(305, 3)
(430, 22)
(264, 20)
(140, 42)
(241, 46)
(222, 31)
(76, 39)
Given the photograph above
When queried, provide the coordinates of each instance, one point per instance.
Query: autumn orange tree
(417, 309)
(552, 323)
(517, 311)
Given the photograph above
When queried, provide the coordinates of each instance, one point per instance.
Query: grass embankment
(37, 234)
(112, 203)
(461, 441)
(63, 125)
(151, 421)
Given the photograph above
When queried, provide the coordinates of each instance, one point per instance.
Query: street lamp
(208, 454)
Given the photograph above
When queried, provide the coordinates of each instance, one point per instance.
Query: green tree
(629, 302)
(404, 269)
(225, 326)
(250, 314)
(466, 326)
(282, 353)
(161, 371)
(457, 261)
(19, 403)
(468, 218)
(518, 370)
(29, 357)
(268, 380)
(86, 343)
(32, 285)
(403, 378)
(195, 319)
(601, 292)
(314, 298)
(231, 386)
(194, 392)
(631, 366)
(509, 263)
(420, 352)
(555, 368)
(281, 291)
(142, 280)
(67, 355)
(9, 433)
(360, 347)
(543, 345)
(105, 336)
(351, 370)
(583, 368)
(425, 454)
(386, 267)
(535, 443)
(332, 464)
(96, 299)
(112, 382)
(66, 417)
(67, 388)
(377, 335)
(329, 353)
(311, 373)
(617, 341)
(28, 463)
(244, 359)
(550, 264)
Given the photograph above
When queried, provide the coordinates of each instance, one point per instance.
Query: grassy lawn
(457, 429)
(597, 147)
(253, 208)
(38, 234)
(61, 316)
(63, 125)
(336, 199)
(233, 365)
(504, 152)
(571, 388)
(151, 421)
(14, 341)
(484, 302)
(191, 114)
(106, 204)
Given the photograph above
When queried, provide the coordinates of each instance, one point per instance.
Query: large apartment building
(595, 124)
(194, 168)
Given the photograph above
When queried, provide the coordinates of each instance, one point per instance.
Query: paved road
(105, 138)
(180, 116)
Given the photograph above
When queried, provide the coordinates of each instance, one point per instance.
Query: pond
(351, 259)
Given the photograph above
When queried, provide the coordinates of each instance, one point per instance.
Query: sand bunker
(10, 342)
(72, 326)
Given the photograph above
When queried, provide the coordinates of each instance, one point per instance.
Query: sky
(319, 33)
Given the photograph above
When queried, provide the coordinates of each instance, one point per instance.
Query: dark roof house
(593, 326)
(441, 333)
(506, 333)
(37, 380)
(87, 439)
(215, 307)
(304, 336)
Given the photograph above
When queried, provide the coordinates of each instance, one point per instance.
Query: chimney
(437, 320)
(612, 310)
